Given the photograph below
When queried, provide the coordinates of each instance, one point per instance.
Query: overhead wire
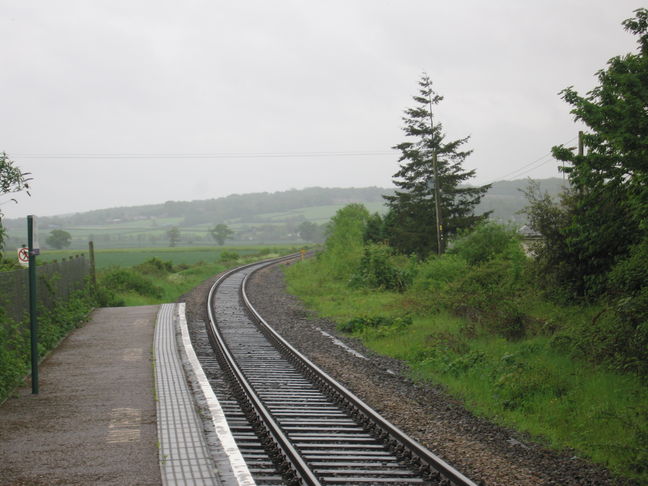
(524, 169)
(530, 167)
(219, 155)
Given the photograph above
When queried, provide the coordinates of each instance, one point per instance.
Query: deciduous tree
(59, 239)
(174, 236)
(12, 180)
(608, 206)
(309, 231)
(220, 233)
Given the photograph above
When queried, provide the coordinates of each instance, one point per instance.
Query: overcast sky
(281, 94)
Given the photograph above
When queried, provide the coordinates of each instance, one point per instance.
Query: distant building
(530, 238)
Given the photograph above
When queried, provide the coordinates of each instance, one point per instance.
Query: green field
(118, 233)
(315, 214)
(127, 257)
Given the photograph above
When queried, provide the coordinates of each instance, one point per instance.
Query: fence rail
(55, 282)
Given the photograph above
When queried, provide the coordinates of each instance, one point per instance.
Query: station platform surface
(100, 417)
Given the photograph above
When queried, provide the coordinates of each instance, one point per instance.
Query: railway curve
(297, 425)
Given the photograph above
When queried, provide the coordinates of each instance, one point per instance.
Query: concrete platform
(94, 421)
(115, 408)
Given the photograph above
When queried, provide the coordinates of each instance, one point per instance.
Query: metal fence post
(33, 321)
(93, 272)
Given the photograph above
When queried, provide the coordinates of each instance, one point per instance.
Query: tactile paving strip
(184, 457)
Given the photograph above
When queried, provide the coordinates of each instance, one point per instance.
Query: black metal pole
(93, 271)
(32, 305)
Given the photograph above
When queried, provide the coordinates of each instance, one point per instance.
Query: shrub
(53, 325)
(618, 333)
(607, 338)
(107, 297)
(487, 242)
(379, 268)
(154, 266)
(229, 256)
(436, 272)
(344, 242)
(14, 353)
(121, 280)
(488, 293)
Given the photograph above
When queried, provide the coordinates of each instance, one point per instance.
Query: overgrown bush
(380, 268)
(618, 333)
(13, 353)
(108, 297)
(344, 243)
(229, 256)
(436, 272)
(154, 266)
(53, 325)
(122, 280)
(488, 293)
(607, 338)
(487, 242)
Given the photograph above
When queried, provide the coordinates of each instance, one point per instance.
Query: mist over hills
(255, 218)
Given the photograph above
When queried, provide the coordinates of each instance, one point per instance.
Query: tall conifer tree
(411, 222)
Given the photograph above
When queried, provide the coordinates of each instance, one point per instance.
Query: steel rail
(293, 466)
(399, 442)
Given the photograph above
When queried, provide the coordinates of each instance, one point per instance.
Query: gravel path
(476, 447)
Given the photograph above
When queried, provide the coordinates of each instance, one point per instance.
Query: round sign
(23, 255)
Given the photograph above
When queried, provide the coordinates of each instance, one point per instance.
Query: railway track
(293, 423)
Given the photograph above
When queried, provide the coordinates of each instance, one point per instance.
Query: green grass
(127, 257)
(526, 384)
(159, 279)
(175, 284)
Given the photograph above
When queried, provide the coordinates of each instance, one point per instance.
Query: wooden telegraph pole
(437, 205)
(437, 190)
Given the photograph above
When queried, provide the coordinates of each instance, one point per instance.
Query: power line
(525, 169)
(531, 167)
(222, 155)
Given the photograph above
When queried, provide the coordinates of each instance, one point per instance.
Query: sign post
(34, 249)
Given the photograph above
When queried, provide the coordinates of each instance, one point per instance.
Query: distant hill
(255, 218)
(505, 198)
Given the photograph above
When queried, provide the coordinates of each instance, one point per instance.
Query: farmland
(255, 219)
(128, 257)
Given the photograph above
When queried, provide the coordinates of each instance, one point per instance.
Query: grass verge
(526, 383)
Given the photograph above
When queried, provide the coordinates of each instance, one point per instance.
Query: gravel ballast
(481, 450)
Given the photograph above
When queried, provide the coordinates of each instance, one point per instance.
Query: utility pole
(437, 204)
(437, 199)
